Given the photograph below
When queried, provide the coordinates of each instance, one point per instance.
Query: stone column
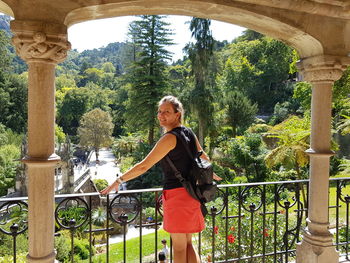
(316, 245)
(42, 46)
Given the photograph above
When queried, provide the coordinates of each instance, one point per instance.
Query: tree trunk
(151, 134)
(97, 153)
(201, 132)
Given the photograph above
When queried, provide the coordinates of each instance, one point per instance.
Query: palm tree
(293, 140)
(99, 216)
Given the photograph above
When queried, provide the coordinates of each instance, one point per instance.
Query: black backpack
(201, 187)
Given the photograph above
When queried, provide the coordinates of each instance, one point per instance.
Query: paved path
(106, 168)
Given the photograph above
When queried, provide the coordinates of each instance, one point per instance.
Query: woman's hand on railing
(108, 189)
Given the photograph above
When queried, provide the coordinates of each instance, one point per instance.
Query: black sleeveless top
(179, 157)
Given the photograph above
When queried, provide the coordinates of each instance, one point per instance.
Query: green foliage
(20, 258)
(341, 90)
(262, 233)
(259, 128)
(149, 213)
(13, 101)
(246, 156)
(95, 130)
(240, 111)
(73, 103)
(262, 67)
(132, 249)
(199, 54)
(6, 246)
(59, 134)
(125, 145)
(72, 107)
(81, 248)
(72, 212)
(227, 174)
(100, 184)
(64, 81)
(63, 248)
(8, 166)
(281, 112)
(126, 163)
(147, 73)
(9, 158)
(293, 140)
(302, 93)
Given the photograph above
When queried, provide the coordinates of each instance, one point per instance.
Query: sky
(101, 32)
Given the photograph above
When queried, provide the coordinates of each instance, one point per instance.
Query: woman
(182, 213)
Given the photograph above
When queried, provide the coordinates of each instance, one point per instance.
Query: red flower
(265, 232)
(231, 238)
(216, 230)
(232, 228)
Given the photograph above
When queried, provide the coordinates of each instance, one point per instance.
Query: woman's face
(167, 116)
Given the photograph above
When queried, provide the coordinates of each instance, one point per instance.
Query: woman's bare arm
(161, 149)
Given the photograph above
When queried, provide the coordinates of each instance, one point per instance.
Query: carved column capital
(323, 68)
(36, 41)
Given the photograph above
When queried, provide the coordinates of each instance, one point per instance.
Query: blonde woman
(182, 213)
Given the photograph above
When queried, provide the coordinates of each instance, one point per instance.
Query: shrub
(63, 247)
(6, 244)
(81, 248)
(100, 184)
(126, 163)
(20, 258)
(260, 234)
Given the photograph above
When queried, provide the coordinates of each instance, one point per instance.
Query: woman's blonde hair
(177, 105)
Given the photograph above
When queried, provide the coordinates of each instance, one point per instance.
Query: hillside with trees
(241, 98)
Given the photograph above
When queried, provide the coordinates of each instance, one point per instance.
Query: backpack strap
(176, 171)
(184, 143)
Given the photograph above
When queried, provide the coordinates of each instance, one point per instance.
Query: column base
(308, 253)
(48, 259)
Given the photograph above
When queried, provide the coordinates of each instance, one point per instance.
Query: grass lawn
(332, 202)
(133, 249)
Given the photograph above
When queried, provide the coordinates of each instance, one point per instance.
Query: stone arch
(4, 8)
(304, 43)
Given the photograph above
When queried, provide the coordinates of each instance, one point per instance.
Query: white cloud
(101, 32)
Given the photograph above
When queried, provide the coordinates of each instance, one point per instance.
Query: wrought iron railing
(254, 222)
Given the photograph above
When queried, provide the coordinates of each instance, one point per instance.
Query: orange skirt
(182, 213)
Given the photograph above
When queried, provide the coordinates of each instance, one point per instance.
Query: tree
(74, 104)
(9, 155)
(147, 73)
(200, 54)
(13, 101)
(95, 130)
(302, 93)
(263, 66)
(241, 111)
(293, 137)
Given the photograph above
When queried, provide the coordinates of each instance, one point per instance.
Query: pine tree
(147, 73)
(241, 111)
